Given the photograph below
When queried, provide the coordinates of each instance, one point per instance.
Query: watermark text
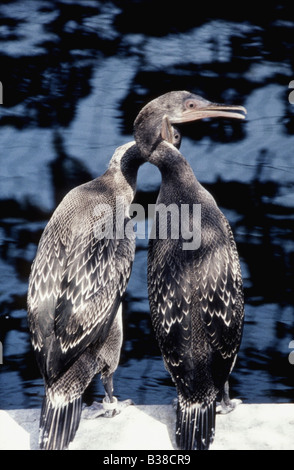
(173, 221)
(1, 353)
(291, 355)
(291, 94)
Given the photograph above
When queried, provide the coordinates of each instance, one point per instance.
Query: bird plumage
(195, 295)
(76, 285)
(80, 274)
(196, 304)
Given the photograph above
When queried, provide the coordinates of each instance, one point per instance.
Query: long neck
(159, 152)
(129, 166)
(173, 166)
(179, 183)
(123, 168)
(147, 131)
(177, 175)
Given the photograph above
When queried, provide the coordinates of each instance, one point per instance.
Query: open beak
(212, 110)
(196, 109)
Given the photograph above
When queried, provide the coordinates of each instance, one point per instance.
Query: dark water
(74, 76)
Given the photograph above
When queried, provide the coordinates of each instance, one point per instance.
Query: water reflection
(74, 76)
(67, 172)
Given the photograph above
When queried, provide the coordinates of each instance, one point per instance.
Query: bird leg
(110, 406)
(226, 405)
(175, 404)
(110, 403)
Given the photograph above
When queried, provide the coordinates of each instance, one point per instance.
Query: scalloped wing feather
(170, 299)
(76, 285)
(220, 294)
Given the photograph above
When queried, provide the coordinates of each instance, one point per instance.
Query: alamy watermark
(176, 222)
(291, 355)
(1, 353)
(1, 93)
(291, 94)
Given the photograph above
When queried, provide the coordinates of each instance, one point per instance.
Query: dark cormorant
(195, 295)
(77, 281)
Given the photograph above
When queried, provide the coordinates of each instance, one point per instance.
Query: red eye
(190, 104)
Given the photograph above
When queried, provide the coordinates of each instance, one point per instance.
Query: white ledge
(151, 427)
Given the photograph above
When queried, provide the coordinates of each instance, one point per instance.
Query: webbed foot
(106, 409)
(226, 406)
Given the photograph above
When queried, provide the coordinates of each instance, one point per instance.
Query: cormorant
(78, 277)
(76, 285)
(195, 295)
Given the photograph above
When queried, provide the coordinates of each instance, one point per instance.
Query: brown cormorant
(195, 294)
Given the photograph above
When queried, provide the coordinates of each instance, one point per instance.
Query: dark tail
(195, 425)
(58, 425)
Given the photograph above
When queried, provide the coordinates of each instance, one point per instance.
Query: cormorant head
(176, 107)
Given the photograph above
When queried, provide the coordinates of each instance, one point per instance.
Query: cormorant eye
(190, 104)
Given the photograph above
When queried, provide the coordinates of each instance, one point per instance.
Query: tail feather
(195, 425)
(58, 424)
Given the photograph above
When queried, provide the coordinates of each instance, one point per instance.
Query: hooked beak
(211, 110)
